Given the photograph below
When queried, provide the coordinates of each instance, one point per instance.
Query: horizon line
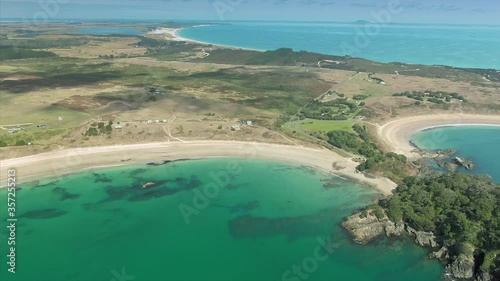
(157, 20)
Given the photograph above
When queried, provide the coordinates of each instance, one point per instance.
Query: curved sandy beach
(396, 134)
(173, 34)
(72, 160)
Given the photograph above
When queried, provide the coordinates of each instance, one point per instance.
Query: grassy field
(327, 126)
(132, 79)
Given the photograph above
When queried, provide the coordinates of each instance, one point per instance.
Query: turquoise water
(480, 144)
(264, 219)
(109, 31)
(459, 46)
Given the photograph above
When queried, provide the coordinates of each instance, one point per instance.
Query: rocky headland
(461, 261)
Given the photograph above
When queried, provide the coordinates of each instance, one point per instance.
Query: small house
(150, 121)
(249, 123)
(235, 128)
(118, 126)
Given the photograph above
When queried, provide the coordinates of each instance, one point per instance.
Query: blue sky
(411, 11)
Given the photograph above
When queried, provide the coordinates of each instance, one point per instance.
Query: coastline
(397, 134)
(174, 35)
(73, 160)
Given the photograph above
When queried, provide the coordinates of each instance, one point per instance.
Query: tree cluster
(360, 143)
(438, 97)
(460, 208)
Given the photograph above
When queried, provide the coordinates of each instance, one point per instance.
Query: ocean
(240, 219)
(478, 143)
(212, 219)
(451, 45)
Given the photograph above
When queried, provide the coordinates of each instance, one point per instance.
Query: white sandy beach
(397, 133)
(66, 161)
(173, 34)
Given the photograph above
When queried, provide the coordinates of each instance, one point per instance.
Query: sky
(396, 11)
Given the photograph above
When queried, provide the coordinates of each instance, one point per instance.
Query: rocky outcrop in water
(437, 154)
(424, 239)
(455, 163)
(370, 224)
(442, 254)
(365, 226)
(448, 166)
(462, 267)
(467, 164)
(394, 229)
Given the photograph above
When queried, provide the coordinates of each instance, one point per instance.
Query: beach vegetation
(461, 209)
(91, 132)
(360, 97)
(21, 143)
(338, 109)
(10, 53)
(391, 165)
(48, 42)
(438, 97)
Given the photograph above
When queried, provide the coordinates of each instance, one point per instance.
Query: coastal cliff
(364, 228)
(369, 224)
(462, 262)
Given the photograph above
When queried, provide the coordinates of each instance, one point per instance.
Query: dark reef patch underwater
(261, 220)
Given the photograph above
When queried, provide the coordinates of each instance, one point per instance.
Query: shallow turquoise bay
(265, 219)
(481, 144)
